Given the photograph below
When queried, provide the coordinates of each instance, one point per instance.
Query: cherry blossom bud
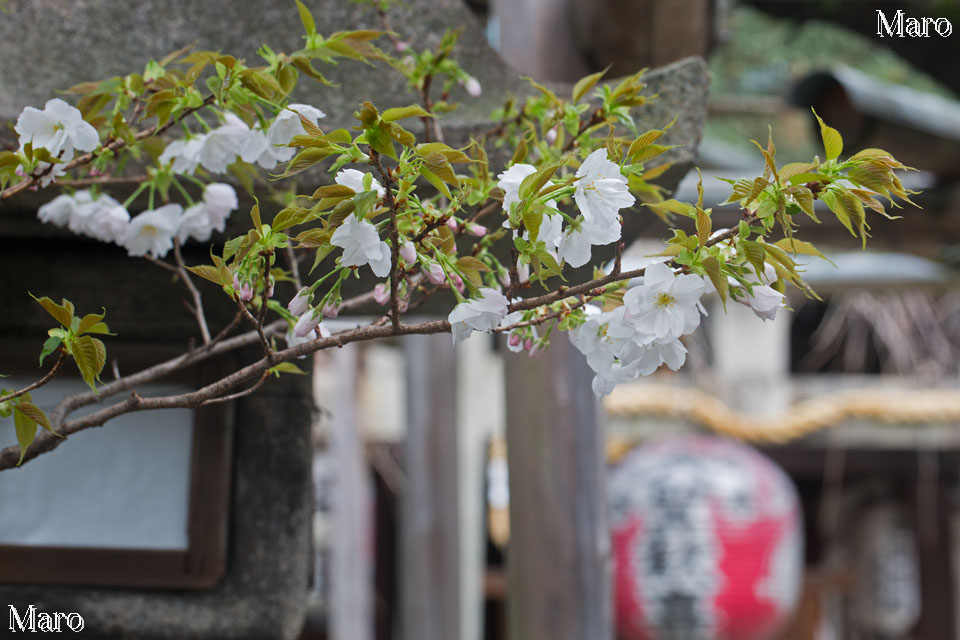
(535, 351)
(96, 173)
(300, 302)
(269, 292)
(434, 273)
(401, 46)
(457, 282)
(477, 230)
(408, 252)
(20, 172)
(551, 135)
(528, 344)
(381, 293)
(452, 224)
(514, 340)
(473, 87)
(306, 324)
(246, 292)
(331, 309)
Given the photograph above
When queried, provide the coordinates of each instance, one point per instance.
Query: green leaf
(832, 141)
(704, 226)
(36, 414)
(532, 218)
(309, 25)
(331, 191)
(719, 279)
(586, 83)
(49, 346)
(88, 321)
(255, 216)
(531, 185)
(286, 367)
(800, 247)
(90, 355)
(62, 313)
(399, 113)
(290, 217)
(437, 164)
(213, 274)
(26, 431)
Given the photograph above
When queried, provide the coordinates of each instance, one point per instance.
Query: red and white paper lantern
(707, 542)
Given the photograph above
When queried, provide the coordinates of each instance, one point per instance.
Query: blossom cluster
(58, 128)
(218, 148)
(601, 192)
(151, 232)
(637, 338)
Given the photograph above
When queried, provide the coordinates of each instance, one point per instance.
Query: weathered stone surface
(263, 594)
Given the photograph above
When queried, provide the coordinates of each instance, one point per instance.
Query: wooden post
(351, 579)
(430, 553)
(559, 581)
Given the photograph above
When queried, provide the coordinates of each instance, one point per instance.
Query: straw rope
(898, 407)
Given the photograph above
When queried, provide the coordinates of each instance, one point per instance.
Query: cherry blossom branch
(39, 383)
(116, 144)
(46, 441)
(240, 394)
(194, 292)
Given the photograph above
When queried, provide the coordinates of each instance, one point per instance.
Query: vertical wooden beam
(536, 38)
(559, 581)
(351, 579)
(430, 554)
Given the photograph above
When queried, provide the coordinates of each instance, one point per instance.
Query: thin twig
(39, 383)
(240, 394)
(194, 292)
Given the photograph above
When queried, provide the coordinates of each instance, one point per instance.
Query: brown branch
(46, 441)
(39, 383)
(112, 146)
(240, 394)
(261, 335)
(194, 292)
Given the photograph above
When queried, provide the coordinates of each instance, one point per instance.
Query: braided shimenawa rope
(879, 405)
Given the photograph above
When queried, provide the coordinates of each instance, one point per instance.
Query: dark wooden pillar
(559, 582)
(430, 552)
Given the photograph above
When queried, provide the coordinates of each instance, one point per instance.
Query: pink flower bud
(457, 282)
(96, 173)
(331, 310)
(306, 324)
(381, 293)
(535, 351)
(401, 46)
(246, 292)
(269, 292)
(514, 339)
(473, 87)
(528, 344)
(20, 172)
(551, 135)
(452, 224)
(434, 273)
(236, 282)
(477, 230)
(300, 302)
(408, 252)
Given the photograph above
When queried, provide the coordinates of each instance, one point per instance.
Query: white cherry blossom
(286, 126)
(59, 128)
(666, 303)
(220, 200)
(353, 179)
(764, 300)
(184, 154)
(362, 245)
(153, 231)
(479, 314)
(510, 183)
(601, 190)
(222, 145)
